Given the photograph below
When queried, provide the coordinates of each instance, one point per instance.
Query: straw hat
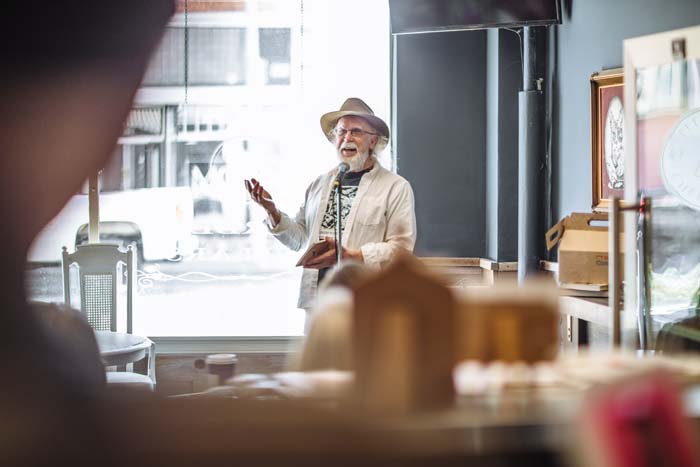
(355, 107)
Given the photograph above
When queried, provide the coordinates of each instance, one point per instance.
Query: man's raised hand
(263, 198)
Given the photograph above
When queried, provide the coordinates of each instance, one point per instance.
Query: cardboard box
(583, 248)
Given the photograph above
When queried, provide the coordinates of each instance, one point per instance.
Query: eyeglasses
(354, 132)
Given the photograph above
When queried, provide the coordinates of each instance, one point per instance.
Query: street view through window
(230, 94)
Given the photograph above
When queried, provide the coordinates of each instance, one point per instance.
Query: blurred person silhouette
(70, 71)
(378, 217)
(328, 344)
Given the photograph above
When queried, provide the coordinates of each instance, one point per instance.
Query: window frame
(183, 345)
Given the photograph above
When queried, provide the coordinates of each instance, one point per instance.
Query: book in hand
(315, 250)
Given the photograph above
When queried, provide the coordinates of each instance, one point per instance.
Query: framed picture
(607, 137)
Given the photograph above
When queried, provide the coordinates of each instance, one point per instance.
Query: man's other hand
(263, 198)
(328, 258)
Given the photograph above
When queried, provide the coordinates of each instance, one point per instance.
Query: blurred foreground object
(508, 323)
(572, 374)
(328, 342)
(70, 71)
(637, 423)
(410, 331)
(403, 340)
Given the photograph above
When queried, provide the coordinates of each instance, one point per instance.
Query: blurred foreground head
(70, 70)
(328, 344)
(349, 275)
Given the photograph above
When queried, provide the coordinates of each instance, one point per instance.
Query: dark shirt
(350, 183)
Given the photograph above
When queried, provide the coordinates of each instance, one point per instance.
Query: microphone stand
(338, 218)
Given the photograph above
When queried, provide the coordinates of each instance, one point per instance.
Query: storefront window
(249, 108)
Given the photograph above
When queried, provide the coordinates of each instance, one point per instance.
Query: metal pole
(532, 164)
(644, 306)
(530, 58)
(614, 271)
(338, 220)
(641, 281)
(94, 208)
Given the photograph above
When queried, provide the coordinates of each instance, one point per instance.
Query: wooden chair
(98, 265)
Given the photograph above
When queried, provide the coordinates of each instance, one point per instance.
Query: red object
(641, 423)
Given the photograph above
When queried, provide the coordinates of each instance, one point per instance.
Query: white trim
(183, 345)
(200, 136)
(237, 95)
(141, 139)
(199, 19)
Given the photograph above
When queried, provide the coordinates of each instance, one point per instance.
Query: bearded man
(378, 216)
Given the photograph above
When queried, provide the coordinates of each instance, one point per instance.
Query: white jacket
(382, 220)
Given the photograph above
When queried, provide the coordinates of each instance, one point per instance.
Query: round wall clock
(680, 160)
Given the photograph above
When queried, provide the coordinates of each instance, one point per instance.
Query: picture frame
(607, 137)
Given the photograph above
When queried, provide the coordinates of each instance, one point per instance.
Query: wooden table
(119, 348)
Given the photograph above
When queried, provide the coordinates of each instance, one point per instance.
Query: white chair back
(98, 264)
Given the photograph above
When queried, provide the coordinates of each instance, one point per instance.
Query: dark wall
(439, 129)
(463, 193)
(589, 40)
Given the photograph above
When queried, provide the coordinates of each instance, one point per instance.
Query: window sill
(182, 345)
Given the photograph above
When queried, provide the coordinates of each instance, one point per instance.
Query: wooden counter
(464, 272)
(592, 310)
(585, 321)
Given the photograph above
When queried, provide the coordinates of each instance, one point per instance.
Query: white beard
(356, 162)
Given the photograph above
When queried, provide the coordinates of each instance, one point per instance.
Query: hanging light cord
(187, 55)
(301, 49)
